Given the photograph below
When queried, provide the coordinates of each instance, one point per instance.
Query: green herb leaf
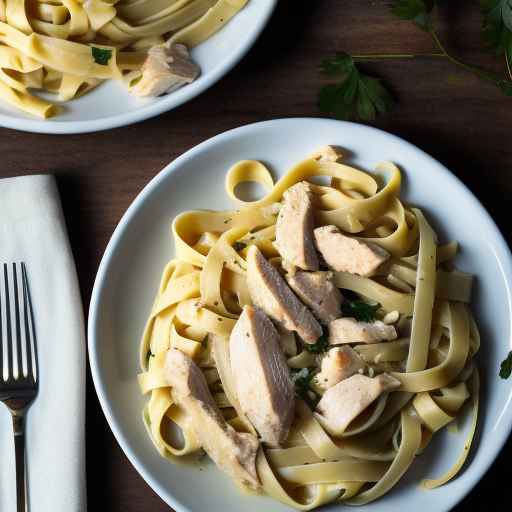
(506, 87)
(356, 96)
(238, 246)
(360, 310)
(340, 64)
(506, 367)
(302, 380)
(497, 26)
(321, 345)
(101, 55)
(417, 11)
(506, 12)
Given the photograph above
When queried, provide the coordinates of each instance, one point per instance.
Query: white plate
(111, 106)
(141, 245)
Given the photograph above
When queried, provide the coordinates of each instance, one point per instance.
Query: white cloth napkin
(32, 230)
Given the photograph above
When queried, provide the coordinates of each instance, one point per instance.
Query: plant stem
(508, 64)
(485, 75)
(385, 56)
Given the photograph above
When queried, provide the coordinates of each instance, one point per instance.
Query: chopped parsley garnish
(101, 55)
(360, 310)
(238, 246)
(506, 367)
(349, 294)
(302, 380)
(321, 345)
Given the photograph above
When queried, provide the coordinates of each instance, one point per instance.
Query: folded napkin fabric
(32, 230)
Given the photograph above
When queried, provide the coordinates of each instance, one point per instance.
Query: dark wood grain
(464, 123)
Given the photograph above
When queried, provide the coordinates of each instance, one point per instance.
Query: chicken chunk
(338, 364)
(345, 254)
(342, 403)
(167, 67)
(318, 292)
(261, 376)
(294, 228)
(349, 330)
(233, 452)
(326, 154)
(270, 292)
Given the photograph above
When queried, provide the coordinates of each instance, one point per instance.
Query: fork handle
(18, 426)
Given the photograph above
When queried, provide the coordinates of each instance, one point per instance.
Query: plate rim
(168, 103)
(504, 433)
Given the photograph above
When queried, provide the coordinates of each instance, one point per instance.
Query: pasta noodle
(77, 44)
(204, 289)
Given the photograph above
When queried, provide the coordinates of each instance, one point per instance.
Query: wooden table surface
(456, 118)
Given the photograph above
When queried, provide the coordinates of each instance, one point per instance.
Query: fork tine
(8, 345)
(30, 332)
(19, 347)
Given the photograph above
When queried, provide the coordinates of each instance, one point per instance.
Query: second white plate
(111, 106)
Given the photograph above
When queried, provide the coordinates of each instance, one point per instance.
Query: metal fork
(18, 360)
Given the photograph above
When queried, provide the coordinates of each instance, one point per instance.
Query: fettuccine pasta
(68, 47)
(416, 293)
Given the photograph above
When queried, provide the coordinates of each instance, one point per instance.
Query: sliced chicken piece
(294, 228)
(349, 330)
(326, 154)
(338, 364)
(270, 292)
(233, 452)
(342, 403)
(167, 67)
(262, 379)
(318, 292)
(345, 254)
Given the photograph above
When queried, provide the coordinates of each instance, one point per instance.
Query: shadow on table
(284, 32)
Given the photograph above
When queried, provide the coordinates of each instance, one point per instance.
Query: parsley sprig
(497, 28)
(420, 12)
(506, 367)
(358, 95)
